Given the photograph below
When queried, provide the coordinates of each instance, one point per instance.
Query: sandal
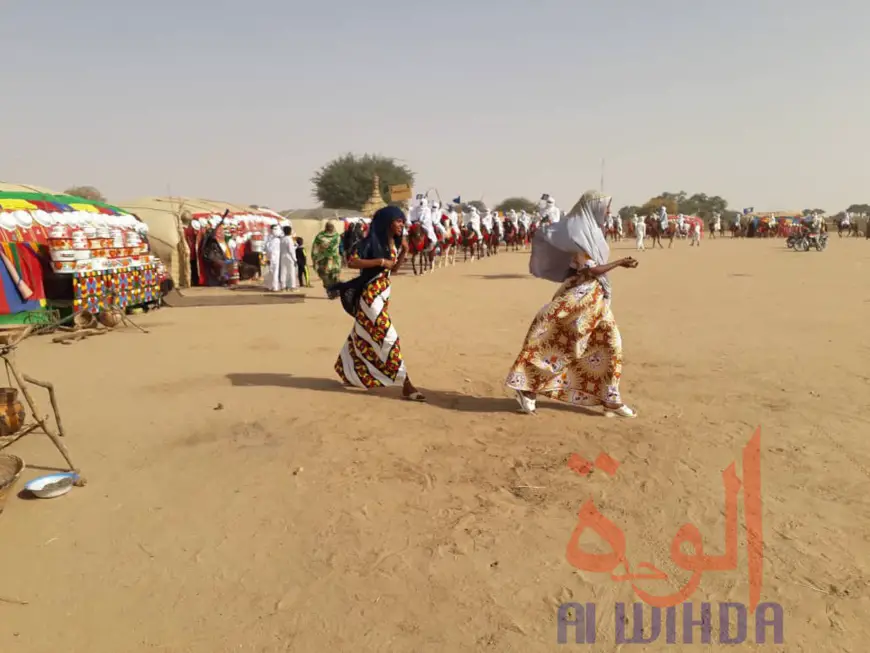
(527, 406)
(414, 396)
(623, 411)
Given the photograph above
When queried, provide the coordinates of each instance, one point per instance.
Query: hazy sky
(765, 102)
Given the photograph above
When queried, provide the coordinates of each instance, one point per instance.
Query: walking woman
(326, 255)
(573, 350)
(371, 356)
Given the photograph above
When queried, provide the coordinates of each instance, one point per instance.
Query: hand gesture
(629, 262)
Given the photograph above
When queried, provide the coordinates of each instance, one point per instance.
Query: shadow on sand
(444, 400)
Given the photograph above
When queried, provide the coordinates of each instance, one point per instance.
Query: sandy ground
(304, 517)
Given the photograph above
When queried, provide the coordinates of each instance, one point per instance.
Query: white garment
(272, 278)
(472, 221)
(486, 221)
(847, 219)
(289, 272)
(525, 220)
(639, 233)
(553, 214)
(554, 249)
(695, 234)
(424, 216)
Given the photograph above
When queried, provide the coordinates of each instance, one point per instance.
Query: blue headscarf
(376, 245)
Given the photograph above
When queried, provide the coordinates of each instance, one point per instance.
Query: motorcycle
(804, 243)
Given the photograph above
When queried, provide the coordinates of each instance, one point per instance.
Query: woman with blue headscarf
(371, 356)
(573, 350)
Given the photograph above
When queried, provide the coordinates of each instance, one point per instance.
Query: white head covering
(555, 245)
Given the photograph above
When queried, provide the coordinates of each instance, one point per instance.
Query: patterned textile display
(99, 291)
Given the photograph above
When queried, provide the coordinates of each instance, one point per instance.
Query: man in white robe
(695, 233)
(663, 219)
(550, 212)
(472, 221)
(437, 214)
(289, 270)
(272, 278)
(453, 215)
(717, 223)
(639, 233)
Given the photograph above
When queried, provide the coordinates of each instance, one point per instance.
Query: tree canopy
(86, 193)
(346, 182)
(478, 204)
(517, 204)
(862, 209)
(699, 204)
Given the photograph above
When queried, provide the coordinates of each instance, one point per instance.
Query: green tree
(478, 204)
(652, 205)
(627, 211)
(699, 204)
(86, 193)
(517, 204)
(346, 182)
(860, 209)
(807, 212)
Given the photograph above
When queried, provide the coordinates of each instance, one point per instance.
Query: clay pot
(11, 411)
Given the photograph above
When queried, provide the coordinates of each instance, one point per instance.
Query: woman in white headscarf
(573, 350)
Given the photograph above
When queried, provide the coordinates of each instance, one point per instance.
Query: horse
(851, 229)
(472, 246)
(654, 231)
(448, 243)
(494, 237)
(737, 231)
(511, 235)
(418, 244)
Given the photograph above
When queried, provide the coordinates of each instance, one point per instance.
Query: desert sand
(239, 499)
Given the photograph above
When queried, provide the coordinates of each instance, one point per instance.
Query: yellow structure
(375, 202)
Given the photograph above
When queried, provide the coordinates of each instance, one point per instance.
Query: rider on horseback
(436, 220)
(472, 222)
(550, 214)
(423, 215)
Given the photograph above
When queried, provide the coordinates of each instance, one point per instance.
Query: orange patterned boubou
(573, 350)
(372, 356)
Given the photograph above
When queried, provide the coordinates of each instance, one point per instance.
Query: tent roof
(320, 214)
(9, 187)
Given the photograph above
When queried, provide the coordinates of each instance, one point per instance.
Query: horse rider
(681, 225)
(436, 220)
(550, 213)
(423, 215)
(815, 227)
(663, 219)
(472, 222)
(717, 223)
(453, 216)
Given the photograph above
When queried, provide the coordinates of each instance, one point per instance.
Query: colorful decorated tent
(167, 218)
(27, 213)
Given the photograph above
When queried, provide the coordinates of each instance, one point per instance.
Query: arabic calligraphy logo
(697, 562)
